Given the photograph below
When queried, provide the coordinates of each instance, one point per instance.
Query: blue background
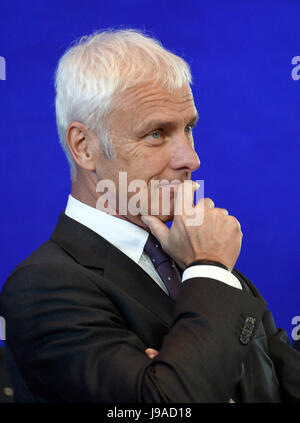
(240, 53)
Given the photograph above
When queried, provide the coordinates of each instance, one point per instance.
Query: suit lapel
(130, 277)
(92, 251)
(83, 244)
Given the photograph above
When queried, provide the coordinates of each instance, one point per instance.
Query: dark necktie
(164, 265)
(168, 272)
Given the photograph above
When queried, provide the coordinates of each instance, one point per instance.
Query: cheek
(138, 157)
(129, 151)
(159, 160)
(141, 161)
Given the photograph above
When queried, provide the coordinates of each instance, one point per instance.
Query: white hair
(101, 65)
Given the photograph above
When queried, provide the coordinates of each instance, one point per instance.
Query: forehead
(142, 102)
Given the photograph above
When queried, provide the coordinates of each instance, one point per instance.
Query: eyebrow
(157, 123)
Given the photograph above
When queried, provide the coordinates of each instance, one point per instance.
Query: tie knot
(155, 252)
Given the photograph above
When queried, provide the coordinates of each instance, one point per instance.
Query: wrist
(207, 263)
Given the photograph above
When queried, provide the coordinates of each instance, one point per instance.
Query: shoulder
(48, 272)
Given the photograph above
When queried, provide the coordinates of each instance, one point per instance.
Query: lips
(169, 184)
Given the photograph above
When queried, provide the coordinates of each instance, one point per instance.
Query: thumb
(157, 228)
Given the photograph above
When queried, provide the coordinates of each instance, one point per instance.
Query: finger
(151, 353)
(208, 202)
(195, 186)
(157, 228)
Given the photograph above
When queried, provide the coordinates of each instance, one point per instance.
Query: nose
(184, 156)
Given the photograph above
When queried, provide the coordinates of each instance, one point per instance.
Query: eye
(156, 135)
(188, 129)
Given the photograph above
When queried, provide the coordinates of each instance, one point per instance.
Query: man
(102, 313)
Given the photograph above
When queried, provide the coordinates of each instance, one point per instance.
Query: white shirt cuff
(213, 272)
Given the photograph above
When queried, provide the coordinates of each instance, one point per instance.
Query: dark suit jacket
(79, 315)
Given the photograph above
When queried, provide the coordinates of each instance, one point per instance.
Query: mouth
(166, 184)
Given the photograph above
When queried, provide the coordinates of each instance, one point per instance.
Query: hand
(151, 353)
(217, 238)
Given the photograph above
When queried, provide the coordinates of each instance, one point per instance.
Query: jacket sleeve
(71, 343)
(286, 359)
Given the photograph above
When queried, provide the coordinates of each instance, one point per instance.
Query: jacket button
(247, 330)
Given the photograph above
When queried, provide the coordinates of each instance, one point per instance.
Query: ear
(81, 141)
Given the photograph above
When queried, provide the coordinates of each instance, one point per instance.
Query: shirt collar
(126, 236)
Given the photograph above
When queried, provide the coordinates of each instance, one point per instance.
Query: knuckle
(234, 222)
(219, 212)
(209, 202)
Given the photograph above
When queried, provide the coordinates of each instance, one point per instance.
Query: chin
(166, 218)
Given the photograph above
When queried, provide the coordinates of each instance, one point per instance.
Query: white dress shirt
(131, 239)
